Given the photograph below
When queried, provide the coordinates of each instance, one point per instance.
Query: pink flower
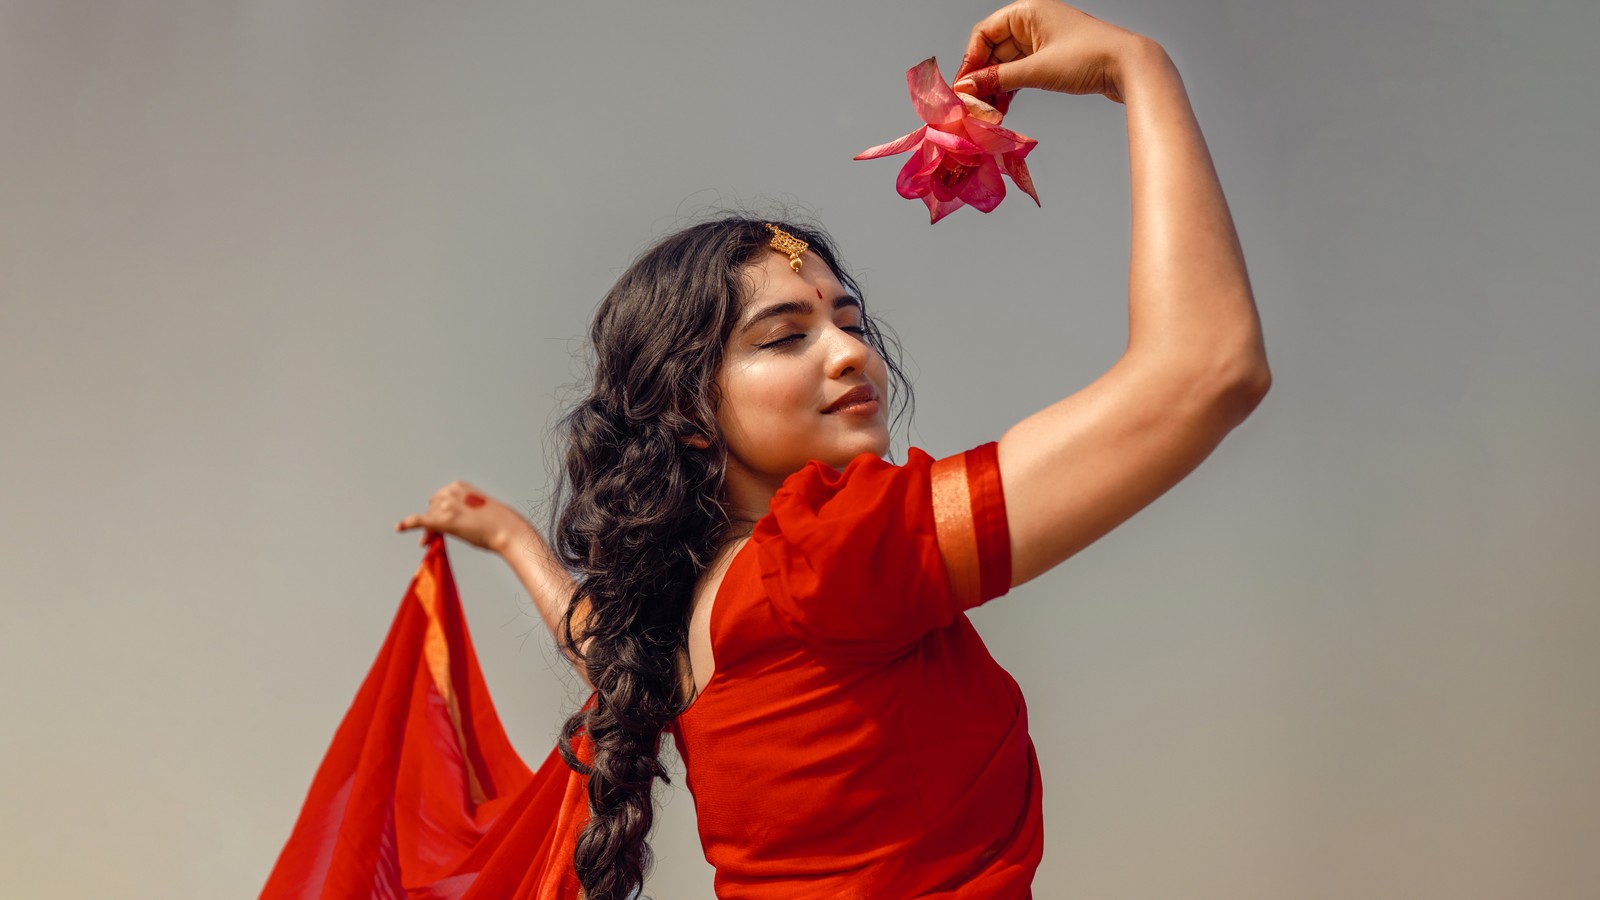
(959, 153)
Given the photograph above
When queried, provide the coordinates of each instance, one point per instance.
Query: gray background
(271, 272)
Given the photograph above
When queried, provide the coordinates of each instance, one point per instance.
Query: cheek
(764, 389)
(878, 369)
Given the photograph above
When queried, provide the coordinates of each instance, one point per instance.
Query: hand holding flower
(961, 149)
(1048, 45)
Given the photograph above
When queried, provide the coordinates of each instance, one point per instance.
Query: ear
(696, 440)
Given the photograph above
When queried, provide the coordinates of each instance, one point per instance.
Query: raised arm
(1195, 366)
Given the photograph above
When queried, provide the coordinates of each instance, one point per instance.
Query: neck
(748, 497)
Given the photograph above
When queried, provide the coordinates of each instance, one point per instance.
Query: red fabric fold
(421, 795)
(823, 525)
(857, 739)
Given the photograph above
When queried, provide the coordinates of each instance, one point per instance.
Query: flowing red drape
(421, 795)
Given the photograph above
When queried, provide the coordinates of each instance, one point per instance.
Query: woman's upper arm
(1084, 465)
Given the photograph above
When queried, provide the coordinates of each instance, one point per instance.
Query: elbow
(1241, 389)
(1218, 392)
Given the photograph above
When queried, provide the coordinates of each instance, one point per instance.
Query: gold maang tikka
(784, 242)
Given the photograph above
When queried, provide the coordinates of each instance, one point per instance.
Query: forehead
(770, 279)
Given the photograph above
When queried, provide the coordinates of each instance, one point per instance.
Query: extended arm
(460, 509)
(544, 578)
(1195, 365)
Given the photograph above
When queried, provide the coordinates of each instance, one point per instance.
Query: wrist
(1138, 60)
(514, 536)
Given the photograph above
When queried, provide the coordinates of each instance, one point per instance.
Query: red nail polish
(475, 500)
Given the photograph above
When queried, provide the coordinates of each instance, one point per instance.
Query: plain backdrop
(272, 271)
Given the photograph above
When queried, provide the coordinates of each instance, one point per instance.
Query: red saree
(857, 740)
(421, 795)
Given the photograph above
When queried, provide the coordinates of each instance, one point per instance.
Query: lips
(858, 394)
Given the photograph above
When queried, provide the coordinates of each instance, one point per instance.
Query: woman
(752, 575)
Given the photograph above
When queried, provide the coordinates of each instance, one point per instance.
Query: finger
(981, 84)
(1000, 78)
(427, 535)
(425, 520)
(976, 56)
(995, 29)
(1007, 50)
(1006, 36)
(988, 81)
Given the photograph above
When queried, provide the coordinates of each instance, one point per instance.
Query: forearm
(547, 582)
(1190, 305)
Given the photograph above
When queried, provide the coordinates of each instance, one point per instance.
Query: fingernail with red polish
(475, 500)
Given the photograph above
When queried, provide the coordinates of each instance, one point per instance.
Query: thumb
(999, 78)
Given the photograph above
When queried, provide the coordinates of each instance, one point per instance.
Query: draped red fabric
(857, 739)
(421, 795)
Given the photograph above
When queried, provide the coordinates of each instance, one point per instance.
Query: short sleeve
(870, 559)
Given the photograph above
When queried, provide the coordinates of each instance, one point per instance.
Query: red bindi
(819, 293)
(475, 500)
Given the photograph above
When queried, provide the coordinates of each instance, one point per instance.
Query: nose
(847, 354)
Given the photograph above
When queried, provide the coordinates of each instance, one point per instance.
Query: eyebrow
(793, 307)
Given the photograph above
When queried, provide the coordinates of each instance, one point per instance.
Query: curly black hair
(640, 513)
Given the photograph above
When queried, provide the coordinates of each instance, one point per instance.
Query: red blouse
(857, 739)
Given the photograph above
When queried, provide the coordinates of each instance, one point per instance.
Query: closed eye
(781, 341)
(857, 330)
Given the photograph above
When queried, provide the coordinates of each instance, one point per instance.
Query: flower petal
(1018, 170)
(898, 145)
(962, 153)
(943, 187)
(935, 102)
(938, 209)
(977, 109)
(950, 177)
(984, 188)
(995, 139)
(916, 177)
(955, 143)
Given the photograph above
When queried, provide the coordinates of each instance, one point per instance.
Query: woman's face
(796, 350)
